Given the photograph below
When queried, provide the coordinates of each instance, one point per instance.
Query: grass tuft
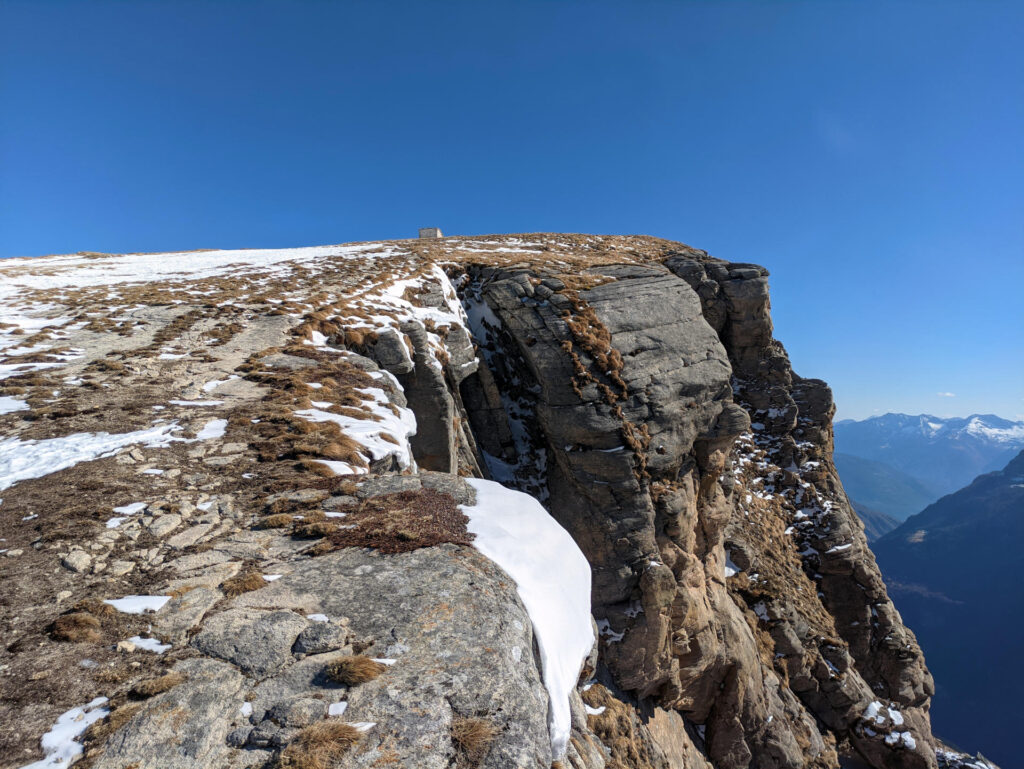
(278, 521)
(245, 582)
(154, 686)
(77, 627)
(319, 746)
(353, 669)
(473, 738)
(403, 521)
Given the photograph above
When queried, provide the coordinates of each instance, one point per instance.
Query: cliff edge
(252, 517)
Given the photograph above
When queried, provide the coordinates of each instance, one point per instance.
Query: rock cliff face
(269, 445)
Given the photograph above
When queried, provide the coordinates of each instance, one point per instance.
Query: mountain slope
(883, 487)
(876, 523)
(942, 454)
(248, 513)
(955, 568)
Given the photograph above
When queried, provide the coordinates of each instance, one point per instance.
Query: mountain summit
(536, 500)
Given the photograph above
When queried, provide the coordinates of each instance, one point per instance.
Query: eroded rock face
(640, 461)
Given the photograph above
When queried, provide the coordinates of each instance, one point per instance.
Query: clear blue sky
(869, 154)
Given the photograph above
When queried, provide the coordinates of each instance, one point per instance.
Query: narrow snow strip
(139, 604)
(59, 744)
(197, 403)
(553, 580)
(131, 509)
(213, 429)
(149, 644)
(9, 405)
(342, 468)
(211, 386)
(21, 460)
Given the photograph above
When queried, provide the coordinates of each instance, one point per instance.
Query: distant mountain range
(876, 523)
(898, 464)
(954, 571)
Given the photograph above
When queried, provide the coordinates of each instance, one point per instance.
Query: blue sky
(869, 154)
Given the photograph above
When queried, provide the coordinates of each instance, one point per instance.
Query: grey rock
(189, 536)
(183, 728)
(263, 734)
(321, 637)
(77, 561)
(297, 712)
(181, 615)
(163, 525)
(391, 353)
(259, 642)
(428, 603)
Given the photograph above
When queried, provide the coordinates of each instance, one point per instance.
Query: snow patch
(213, 429)
(139, 604)
(59, 745)
(22, 460)
(9, 405)
(149, 644)
(553, 580)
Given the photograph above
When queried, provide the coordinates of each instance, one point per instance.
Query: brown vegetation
(154, 686)
(118, 717)
(353, 669)
(244, 582)
(278, 521)
(318, 746)
(473, 737)
(77, 627)
(403, 521)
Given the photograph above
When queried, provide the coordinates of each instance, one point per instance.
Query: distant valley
(898, 464)
(954, 572)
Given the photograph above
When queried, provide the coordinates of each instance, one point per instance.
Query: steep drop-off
(272, 442)
(942, 564)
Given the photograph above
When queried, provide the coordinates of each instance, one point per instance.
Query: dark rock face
(640, 379)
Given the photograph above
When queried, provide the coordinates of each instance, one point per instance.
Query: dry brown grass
(96, 608)
(473, 737)
(77, 627)
(403, 521)
(245, 582)
(278, 521)
(319, 746)
(154, 686)
(314, 530)
(118, 717)
(353, 669)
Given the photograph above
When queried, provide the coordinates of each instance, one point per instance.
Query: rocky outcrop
(641, 379)
(291, 524)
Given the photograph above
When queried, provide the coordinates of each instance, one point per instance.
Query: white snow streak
(553, 580)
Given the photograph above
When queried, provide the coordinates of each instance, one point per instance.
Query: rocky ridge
(198, 427)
